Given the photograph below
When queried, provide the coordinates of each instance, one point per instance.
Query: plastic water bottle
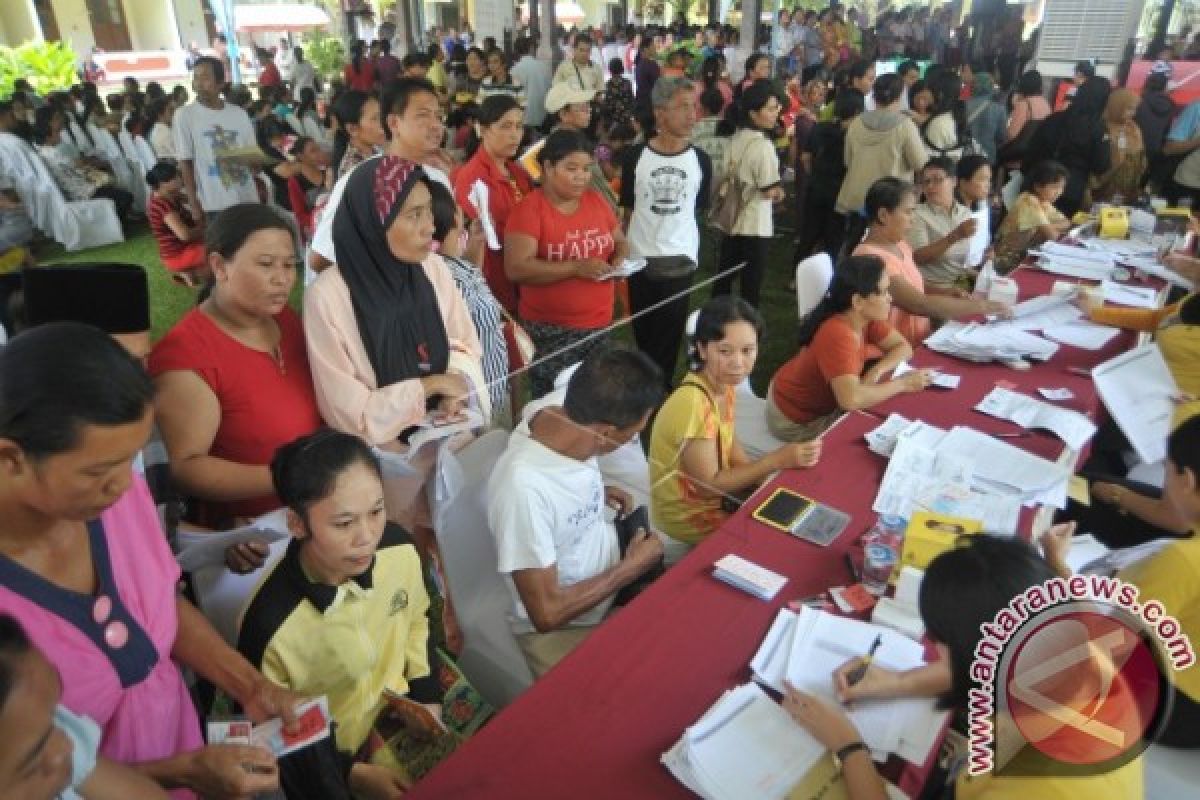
(881, 549)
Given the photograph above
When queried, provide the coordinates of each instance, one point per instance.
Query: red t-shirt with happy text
(586, 233)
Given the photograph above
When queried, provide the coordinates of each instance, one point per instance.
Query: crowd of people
(465, 226)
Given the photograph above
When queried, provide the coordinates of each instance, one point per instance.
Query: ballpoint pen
(858, 672)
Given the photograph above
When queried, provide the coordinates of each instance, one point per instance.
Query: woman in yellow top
(1172, 577)
(696, 463)
(342, 614)
(1033, 218)
(963, 589)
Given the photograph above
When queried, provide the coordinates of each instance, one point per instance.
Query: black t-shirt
(827, 145)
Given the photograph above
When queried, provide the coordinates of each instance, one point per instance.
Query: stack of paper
(1075, 262)
(431, 429)
(197, 549)
(806, 648)
(1039, 313)
(996, 342)
(913, 470)
(745, 746)
(1085, 335)
(1072, 427)
(1000, 467)
(1139, 391)
(1133, 296)
(902, 612)
(748, 576)
(942, 380)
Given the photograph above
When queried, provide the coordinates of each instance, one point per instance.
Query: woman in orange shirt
(501, 126)
(889, 206)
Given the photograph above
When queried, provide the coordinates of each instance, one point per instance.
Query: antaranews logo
(1072, 677)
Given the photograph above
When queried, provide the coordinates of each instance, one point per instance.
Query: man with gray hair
(664, 185)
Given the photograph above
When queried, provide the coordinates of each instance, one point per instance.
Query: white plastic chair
(77, 225)
(750, 422)
(223, 595)
(490, 659)
(17, 166)
(813, 275)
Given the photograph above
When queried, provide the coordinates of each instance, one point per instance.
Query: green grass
(169, 301)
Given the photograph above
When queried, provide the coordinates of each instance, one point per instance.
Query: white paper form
(479, 198)
(913, 470)
(1004, 340)
(1072, 427)
(998, 511)
(977, 245)
(750, 747)
(1001, 463)
(942, 380)
(1138, 390)
(1073, 269)
(199, 549)
(1038, 313)
(1083, 255)
(1132, 296)
(1081, 334)
(824, 642)
(882, 440)
(769, 664)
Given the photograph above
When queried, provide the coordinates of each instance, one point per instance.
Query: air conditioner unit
(1074, 30)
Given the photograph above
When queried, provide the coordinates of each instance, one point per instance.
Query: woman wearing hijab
(1123, 182)
(1078, 139)
(390, 338)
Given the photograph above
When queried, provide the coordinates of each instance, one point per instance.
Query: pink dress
(133, 691)
(912, 327)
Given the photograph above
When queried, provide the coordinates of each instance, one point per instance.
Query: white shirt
(547, 509)
(663, 192)
(303, 77)
(322, 242)
(162, 139)
(202, 132)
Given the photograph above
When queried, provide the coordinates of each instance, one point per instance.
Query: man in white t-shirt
(203, 130)
(415, 130)
(304, 75)
(664, 185)
(547, 501)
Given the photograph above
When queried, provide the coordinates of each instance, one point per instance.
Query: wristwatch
(841, 755)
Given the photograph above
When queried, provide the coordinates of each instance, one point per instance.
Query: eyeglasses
(116, 635)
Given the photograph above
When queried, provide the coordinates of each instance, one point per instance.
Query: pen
(1080, 371)
(870, 414)
(858, 672)
(1020, 435)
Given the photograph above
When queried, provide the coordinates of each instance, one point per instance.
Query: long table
(595, 725)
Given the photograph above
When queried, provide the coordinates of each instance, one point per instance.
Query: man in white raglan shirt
(413, 121)
(664, 185)
(203, 130)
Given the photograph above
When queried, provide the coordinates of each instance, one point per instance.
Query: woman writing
(696, 462)
(359, 131)
(560, 245)
(1034, 217)
(232, 375)
(752, 154)
(890, 204)
(388, 333)
(501, 127)
(839, 337)
(331, 485)
(964, 589)
(86, 570)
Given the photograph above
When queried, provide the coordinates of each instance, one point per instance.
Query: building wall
(150, 25)
(18, 22)
(189, 15)
(74, 25)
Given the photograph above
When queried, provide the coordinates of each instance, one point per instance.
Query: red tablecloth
(595, 726)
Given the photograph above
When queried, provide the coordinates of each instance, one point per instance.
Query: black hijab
(397, 311)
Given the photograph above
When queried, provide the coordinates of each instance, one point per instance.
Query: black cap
(113, 297)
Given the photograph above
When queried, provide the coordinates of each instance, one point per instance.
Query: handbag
(521, 349)
(727, 201)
